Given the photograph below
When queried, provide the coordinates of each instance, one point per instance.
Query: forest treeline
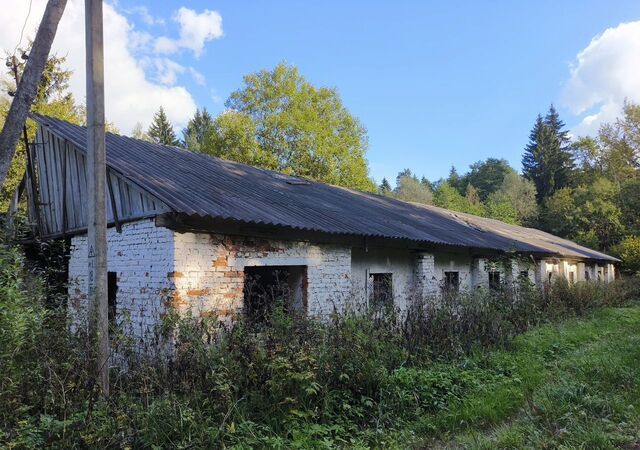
(586, 189)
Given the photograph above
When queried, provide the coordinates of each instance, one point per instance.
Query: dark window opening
(524, 275)
(572, 277)
(269, 287)
(451, 281)
(382, 293)
(494, 280)
(112, 296)
(550, 276)
(587, 275)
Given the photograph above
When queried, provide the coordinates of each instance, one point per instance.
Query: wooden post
(96, 182)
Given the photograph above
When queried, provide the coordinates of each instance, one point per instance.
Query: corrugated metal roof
(200, 185)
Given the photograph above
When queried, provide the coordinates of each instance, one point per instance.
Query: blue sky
(435, 83)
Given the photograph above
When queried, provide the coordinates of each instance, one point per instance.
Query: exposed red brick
(174, 274)
(220, 262)
(233, 274)
(198, 292)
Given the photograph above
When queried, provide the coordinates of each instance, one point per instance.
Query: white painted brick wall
(209, 270)
(205, 273)
(425, 279)
(142, 256)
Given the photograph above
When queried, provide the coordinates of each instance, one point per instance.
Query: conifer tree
(547, 159)
(198, 131)
(161, 130)
(384, 187)
(456, 180)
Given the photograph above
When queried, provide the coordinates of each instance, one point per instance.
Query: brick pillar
(512, 272)
(580, 275)
(541, 272)
(609, 273)
(479, 275)
(425, 280)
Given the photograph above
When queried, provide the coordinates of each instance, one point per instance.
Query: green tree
(233, 137)
(405, 173)
(198, 131)
(629, 251)
(548, 160)
(446, 196)
(499, 206)
(456, 181)
(629, 202)
(474, 204)
(385, 187)
(521, 193)
(599, 217)
(308, 130)
(619, 144)
(52, 99)
(138, 133)
(426, 182)
(487, 176)
(559, 213)
(161, 130)
(409, 189)
(587, 214)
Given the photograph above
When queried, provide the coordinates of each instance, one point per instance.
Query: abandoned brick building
(189, 230)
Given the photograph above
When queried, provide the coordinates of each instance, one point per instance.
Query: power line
(24, 25)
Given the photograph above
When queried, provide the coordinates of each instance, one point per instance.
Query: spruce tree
(456, 180)
(547, 159)
(161, 130)
(562, 143)
(384, 187)
(198, 129)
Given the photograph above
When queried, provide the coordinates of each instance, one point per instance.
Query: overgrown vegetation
(355, 380)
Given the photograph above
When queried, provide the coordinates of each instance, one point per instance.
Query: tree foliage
(384, 188)
(196, 135)
(521, 194)
(602, 208)
(547, 159)
(588, 214)
(161, 130)
(295, 127)
(629, 252)
(487, 176)
(233, 137)
(446, 196)
(410, 189)
(52, 99)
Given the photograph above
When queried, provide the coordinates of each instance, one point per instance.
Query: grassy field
(572, 385)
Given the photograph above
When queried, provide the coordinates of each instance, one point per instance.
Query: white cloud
(195, 30)
(145, 15)
(198, 77)
(603, 75)
(130, 94)
(166, 71)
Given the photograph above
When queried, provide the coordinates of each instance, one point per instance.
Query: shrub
(629, 251)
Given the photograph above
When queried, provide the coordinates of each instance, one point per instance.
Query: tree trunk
(28, 87)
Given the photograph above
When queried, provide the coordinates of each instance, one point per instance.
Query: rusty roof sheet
(201, 185)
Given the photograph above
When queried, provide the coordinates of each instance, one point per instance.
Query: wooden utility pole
(28, 87)
(96, 182)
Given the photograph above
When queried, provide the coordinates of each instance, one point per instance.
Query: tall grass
(344, 381)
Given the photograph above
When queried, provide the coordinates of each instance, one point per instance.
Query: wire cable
(24, 25)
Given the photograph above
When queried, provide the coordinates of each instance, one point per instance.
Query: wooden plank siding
(61, 180)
